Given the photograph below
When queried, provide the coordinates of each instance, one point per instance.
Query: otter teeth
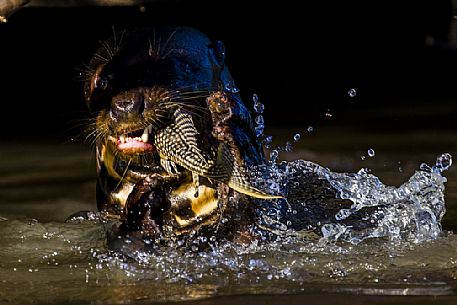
(145, 135)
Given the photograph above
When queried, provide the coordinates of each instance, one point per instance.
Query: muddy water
(45, 260)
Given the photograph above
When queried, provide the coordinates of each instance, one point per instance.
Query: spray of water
(348, 207)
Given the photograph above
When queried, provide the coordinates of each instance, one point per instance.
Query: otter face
(135, 83)
(134, 86)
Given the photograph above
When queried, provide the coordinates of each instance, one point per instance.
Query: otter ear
(218, 49)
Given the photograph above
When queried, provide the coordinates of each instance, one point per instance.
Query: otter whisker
(168, 53)
(160, 118)
(91, 137)
(185, 98)
(123, 174)
(153, 39)
(182, 94)
(96, 134)
(151, 48)
(176, 104)
(201, 86)
(101, 58)
(166, 44)
(158, 46)
(108, 49)
(76, 125)
(117, 44)
(85, 73)
(155, 122)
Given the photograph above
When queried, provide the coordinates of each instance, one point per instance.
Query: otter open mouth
(135, 142)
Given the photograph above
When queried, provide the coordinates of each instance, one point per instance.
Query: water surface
(45, 260)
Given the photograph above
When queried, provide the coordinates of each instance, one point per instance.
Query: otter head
(136, 80)
(135, 84)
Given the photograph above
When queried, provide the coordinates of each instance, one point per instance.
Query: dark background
(300, 57)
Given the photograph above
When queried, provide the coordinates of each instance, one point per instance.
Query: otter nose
(127, 104)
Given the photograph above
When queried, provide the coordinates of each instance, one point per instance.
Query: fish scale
(178, 143)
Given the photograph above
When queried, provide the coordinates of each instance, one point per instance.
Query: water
(361, 229)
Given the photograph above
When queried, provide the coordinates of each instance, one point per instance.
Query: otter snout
(127, 105)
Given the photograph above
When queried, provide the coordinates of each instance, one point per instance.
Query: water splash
(353, 207)
(343, 228)
(347, 229)
(231, 87)
(259, 121)
(348, 207)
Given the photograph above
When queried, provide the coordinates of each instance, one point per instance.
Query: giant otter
(174, 141)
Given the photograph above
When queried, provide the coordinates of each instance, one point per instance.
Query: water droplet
(344, 195)
(443, 162)
(328, 114)
(343, 214)
(268, 140)
(371, 152)
(259, 130)
(332, 230)
(259, 120)
(274, 155)
(297, 137)
(230, 87)
(255, 98)
(259, 107)
(310, 129)
(425, 167)
(362, 158)
(352, 92)
(289, 147)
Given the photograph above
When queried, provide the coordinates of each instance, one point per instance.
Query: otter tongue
(126, 142)
(133, 144)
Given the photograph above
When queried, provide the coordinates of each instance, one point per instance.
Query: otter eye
(97, 92)
(100, 83)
